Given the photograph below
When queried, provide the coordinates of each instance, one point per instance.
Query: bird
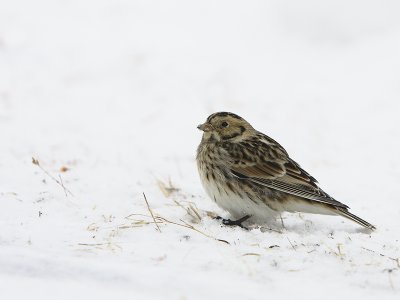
(252, 176)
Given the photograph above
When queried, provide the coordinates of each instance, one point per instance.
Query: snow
(114, 90)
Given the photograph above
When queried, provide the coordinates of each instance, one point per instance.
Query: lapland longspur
(252, 176)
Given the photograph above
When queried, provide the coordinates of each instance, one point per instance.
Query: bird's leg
(229, 222)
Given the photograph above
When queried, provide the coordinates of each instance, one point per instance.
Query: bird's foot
(239, 222)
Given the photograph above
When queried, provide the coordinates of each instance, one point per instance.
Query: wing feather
(268, 164)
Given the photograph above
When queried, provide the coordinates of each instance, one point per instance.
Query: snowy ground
(113, 91)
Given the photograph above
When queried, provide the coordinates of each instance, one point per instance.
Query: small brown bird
(252, 177)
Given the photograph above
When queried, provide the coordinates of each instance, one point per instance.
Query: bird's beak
(205, 127)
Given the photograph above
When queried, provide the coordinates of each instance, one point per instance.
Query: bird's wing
(268, 164)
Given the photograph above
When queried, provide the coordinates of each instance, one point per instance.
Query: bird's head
(225, 126)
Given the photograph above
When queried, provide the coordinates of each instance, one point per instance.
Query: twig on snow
(60, 183)
(151, 212)
(291, 244)
(397, 260)
(158, 219)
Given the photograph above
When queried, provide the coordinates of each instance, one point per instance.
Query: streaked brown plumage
(248, 173)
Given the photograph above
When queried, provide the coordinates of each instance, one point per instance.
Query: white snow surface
(114, 90)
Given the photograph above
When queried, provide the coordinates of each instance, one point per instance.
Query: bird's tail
(345, 213)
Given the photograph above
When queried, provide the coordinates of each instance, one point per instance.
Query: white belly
(238, 205)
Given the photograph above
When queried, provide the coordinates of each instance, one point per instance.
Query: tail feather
(345, 213)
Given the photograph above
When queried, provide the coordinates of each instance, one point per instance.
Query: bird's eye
(224, 124)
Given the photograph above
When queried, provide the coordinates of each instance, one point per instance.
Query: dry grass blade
(193, 212)
(190, 210)
(151, 212)
(102, 246)
(60, 183)
(129, 217)
(341, 254)
(160, 220)
(94, 244)
(197, 230)
(167, 190)
(291, 244)
(265, 229)
(251, 254)
(282, 223)
(397, 260)
(186, 225)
